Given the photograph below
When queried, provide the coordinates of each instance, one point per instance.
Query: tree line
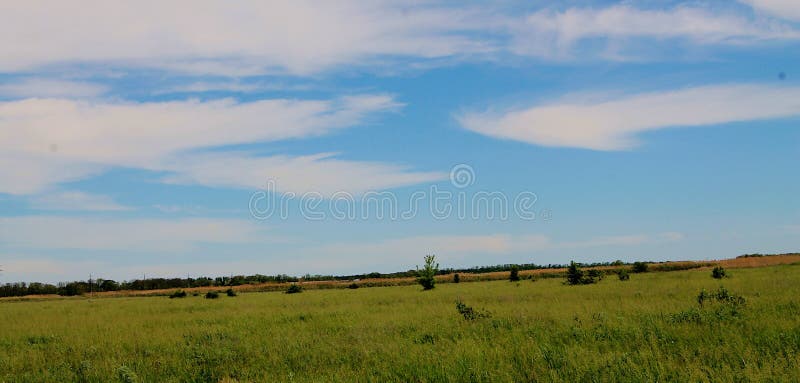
(103, 285)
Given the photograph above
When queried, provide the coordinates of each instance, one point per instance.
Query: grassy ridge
(538, 331)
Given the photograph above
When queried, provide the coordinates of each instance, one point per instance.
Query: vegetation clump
(513, 276)
(624, 275)
(576, 276)
(470, 313)
(719, 273)
(178, 294)
(714, 306)
(294, 289)
(229, 292)
(640, 267)
(212, 295)
(353, 286)
(426, 276)
(456, 278)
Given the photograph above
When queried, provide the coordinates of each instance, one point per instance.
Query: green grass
(538, 331)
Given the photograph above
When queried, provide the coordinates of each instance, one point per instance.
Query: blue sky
(134, 137)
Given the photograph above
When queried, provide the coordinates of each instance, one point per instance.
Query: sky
(209, 138)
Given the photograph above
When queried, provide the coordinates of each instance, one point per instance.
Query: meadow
(650, 328)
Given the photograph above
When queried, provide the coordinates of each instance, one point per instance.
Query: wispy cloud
(49, 88)
(75, 201)
(558, 34)
(306, 38)
(68, 140)
(785, 9)
(124, 235)
(290, 36)
(613, 124)
(234, 86)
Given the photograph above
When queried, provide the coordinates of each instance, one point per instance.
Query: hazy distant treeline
(100, 285)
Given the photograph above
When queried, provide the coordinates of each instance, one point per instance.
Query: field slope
(650, 328)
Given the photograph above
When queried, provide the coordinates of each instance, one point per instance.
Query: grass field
(648, 329)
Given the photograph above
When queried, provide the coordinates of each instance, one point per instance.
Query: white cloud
(149, 235)
(318, 173)
(75, 201)
(44, 88)
(555, 34)
(235, 86)
(305, 38)
(613, 125)
(786, 9)
(254, 37)
(48, 141)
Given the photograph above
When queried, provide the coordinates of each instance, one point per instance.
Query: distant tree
(426, 275)
(514, 275)
(640, 267)
(294, 289)
(456, 278)
(576, 276)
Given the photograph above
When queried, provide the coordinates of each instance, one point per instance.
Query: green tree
(514, 275)
(574, 274)
(425, 277)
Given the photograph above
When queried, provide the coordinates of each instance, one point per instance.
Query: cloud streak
(614, 124)
(48, 141)
(306, 38)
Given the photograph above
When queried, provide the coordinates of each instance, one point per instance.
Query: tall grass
(543, 331)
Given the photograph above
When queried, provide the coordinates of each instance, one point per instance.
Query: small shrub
(178, 294)
(595, 274)
(195, 294)
(230, 293)
(456, 278)
(624, 275)
(353, 286)
(469, 313)
(428, 272)
(212, 295)
(715, 306)
(576, 276)
(513, 276)
(722, 295)
(719, 273)
(294, 289)
(640, 267)
(426, 339)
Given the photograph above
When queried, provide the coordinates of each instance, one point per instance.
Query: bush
(576, 276)
(513, 276)
(353, 286)
(294, 289)
(230, 293)
(624, 275)
(469, 313)
(178, 294)
(212, 295)
(715, 306)
(640, 267)
(426, 275)
(456, 278)
(719, 273)
(595, 274)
